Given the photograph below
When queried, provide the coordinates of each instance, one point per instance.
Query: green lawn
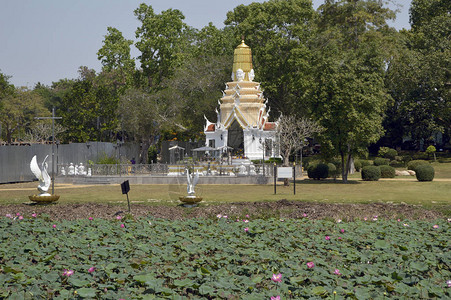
(410, 191)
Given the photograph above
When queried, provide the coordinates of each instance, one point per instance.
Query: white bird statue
(41, 175)
(191, 182)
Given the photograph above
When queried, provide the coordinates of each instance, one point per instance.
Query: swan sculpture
(41, 175)
(192, 181)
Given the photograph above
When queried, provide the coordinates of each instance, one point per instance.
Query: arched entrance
(235, 138)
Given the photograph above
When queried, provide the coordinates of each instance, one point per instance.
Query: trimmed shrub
(387, 152)
(425, 173)
(358, 165)
(319, 171)
(333, 171)
(396, 164)
(379, 161)
(371, 173)
(273, 160)
(412, 165)
(387, 171)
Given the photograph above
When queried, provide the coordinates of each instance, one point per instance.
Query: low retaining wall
(164, 179)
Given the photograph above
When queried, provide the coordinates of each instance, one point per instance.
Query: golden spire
(242, 59)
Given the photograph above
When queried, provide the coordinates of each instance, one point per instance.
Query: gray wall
(15, 160)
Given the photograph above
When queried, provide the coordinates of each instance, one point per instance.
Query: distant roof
(211, 127)
(270, 126)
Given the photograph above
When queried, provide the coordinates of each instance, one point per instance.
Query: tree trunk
(344, 171)
(286, 159)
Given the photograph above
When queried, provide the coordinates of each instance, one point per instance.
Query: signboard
(125, 187)
(284, 172)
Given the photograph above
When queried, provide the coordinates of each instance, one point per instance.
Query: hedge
(387, 172)
(425, 173)
(371, 173)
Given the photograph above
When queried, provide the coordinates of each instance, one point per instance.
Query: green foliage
(430, 149)
(387, 171)
(360, 163)
(379, 161)
(418, 73)
(425, 172)
(204, 258)
(333, 171)
(273, 160)
(104, 159)
(19, 107)
(412, 165)
(152, 154)
(164, 43)
(387, 153)
(371, 173)
(278, 33)
(318, 171)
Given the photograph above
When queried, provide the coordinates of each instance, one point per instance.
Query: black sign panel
(125, 187)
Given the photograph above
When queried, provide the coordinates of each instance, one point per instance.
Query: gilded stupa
(242, 120)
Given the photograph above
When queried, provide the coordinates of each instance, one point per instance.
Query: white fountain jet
(41, 175)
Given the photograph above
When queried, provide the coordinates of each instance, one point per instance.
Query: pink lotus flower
(337, 272)
(247, 216)
(275, 298)
(219, 216)
(122, 225)
(339, 221)
(68, 272)
(225, 217)
(339, 237)
(34, 215)
(90, 218)
(365, 219)
(54, 225)
(406, 225)
(8, 216)
(118, 217)
(246, 221)
(435, 226)
(310, 265)
(18, 214)
(20, 217)
(448, 282)
(276, 277)
(305, 215)
(246, 229)
(342, 230)
(327, 237)
(91, 269)
(374, 219)
(399, 220)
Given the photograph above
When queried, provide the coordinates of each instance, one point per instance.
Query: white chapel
(242, 124)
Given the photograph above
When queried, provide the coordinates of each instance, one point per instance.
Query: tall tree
(292, 132)
(419, 73)
(164, 40)
(18, 112)
(118, 66)
(277, 32)
(88, 110)
(144, 115)
(348, 96)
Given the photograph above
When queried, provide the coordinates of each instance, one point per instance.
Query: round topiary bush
(412, 165)
(333, 171)
(387, 171)
(371, 173)
(425, 173)
(318, 171)
(357, 165)
(379, 161)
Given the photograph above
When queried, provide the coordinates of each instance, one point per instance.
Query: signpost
(285, 172)
(125, 189)
(53, 118)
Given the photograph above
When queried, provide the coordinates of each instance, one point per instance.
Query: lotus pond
(147, 258)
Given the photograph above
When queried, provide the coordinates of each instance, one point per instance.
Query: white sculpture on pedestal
(192, 181)
(41, 175)
(71, 169)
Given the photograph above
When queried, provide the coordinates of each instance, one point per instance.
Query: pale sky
(48, 40)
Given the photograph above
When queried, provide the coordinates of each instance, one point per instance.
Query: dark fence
(15, 160)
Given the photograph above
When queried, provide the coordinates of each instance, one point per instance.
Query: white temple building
(242, 120)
